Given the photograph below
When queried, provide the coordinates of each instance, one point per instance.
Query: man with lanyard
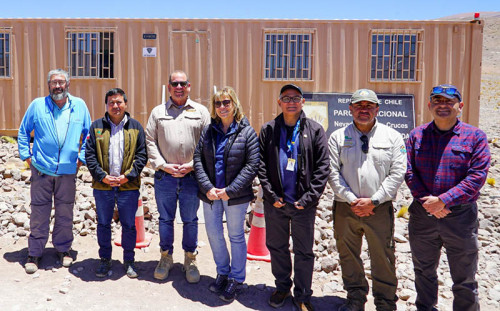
(116, 154)
(293, 173)
(448, 163)
(173, 131)
(367, 166)
(61, 123)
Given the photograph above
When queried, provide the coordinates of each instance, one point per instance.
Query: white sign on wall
(149, 52)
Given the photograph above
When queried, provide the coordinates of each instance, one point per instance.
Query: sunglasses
(447, 90)
(225, 103)
(364, 146)
(177, 83)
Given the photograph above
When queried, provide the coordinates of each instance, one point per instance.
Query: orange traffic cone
(256, 249)
(143, 238)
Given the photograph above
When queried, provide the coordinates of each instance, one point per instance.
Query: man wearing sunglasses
(293, 173)
(448, 163)
(61, 123)
(172, 133)
(367, 166)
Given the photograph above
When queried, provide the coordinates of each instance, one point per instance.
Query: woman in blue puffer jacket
(225, 164)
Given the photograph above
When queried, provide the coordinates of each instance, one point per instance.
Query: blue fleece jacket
(46, 153)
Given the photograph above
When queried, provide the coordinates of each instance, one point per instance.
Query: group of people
(214, 155)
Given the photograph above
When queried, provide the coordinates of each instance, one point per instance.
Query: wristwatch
(376, 202)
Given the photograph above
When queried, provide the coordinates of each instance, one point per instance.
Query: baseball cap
(364, 95)
(291, 86)
(446, 90)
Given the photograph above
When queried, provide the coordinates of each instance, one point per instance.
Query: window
(287, 54)
(395, 55)
(5, 40)
(90, 53)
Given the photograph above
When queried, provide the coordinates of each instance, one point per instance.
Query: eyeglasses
(288, 99)
(177, 83)
(56, 82)
(364, 146)
(225, 103)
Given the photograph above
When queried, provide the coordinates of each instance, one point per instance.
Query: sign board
(149, 52)
(150, 36)
(332, 111)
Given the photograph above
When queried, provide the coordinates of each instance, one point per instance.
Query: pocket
(383, 153)
(159, 174)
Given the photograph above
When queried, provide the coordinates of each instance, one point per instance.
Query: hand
(186, 168)
(362, 207)
(121, 180)
(78, 164)
(110, 180)
(28, 160)
(279, 203)
(442, 214)
(221, 193)
(212, 194)
(172, 169)
(432, 204)
(298, 206)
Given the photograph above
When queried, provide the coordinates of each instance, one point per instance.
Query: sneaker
(277, 299)
(65, 259)
(31, 265)
(352, 305)
(303, 305)
(192, 272)
(131, 269)
(164, 266)
(104, 267)
(230, 291)
(219, 284)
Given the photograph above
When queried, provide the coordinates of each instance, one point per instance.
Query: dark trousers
(280, 222)
(379, 232)
(457, 232)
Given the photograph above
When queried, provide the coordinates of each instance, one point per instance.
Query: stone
(20, 218)
(328, 264)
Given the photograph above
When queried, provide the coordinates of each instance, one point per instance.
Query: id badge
(290, 166)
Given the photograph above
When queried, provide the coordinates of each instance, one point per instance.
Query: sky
(291, 9)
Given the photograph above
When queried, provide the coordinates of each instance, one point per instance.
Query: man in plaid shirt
(448, 162)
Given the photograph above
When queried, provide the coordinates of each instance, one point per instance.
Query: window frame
(90, 64)
(394, 64)
(288, 62)
(6, 50)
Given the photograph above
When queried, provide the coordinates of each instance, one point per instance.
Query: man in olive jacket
(116, 154)
(294, 169)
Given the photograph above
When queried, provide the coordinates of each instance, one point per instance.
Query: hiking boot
(219, 284)
(164, 265)
(103, 268)
(303, 305)
(352, 305)
(131, 269)
(192, 273)
(230, 291)
(65, 259)
(31, 265)
(277, 299)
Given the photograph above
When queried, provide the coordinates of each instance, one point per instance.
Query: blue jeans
(126, 202)
(169, 190)
(235, 217)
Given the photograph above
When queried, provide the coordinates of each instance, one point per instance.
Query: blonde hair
(229, 91)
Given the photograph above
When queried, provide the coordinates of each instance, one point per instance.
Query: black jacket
(313, 161)
(241, 158)
(135, 154)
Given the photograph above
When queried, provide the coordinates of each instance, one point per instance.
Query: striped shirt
(451, 165)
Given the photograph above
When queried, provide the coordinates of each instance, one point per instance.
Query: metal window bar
(90, 54)
(5, 41)
(287, 54)
(395, 55)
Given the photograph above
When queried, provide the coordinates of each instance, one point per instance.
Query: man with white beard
(61, 123)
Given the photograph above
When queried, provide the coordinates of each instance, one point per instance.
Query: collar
(125, 119)
(170, 102)
(455, 129)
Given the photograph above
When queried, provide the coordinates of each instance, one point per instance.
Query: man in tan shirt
(172, 134)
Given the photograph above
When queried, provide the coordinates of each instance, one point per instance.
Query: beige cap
(364, 95)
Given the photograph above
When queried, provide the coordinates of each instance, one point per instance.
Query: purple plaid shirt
(451, 165)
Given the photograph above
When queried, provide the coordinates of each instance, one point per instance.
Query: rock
(64, 290)
(407, 294)
(400, 238)
(329, 264)
(20, 218)
(494, 294)
(21, 232)
(330, 288)
(90, 214)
